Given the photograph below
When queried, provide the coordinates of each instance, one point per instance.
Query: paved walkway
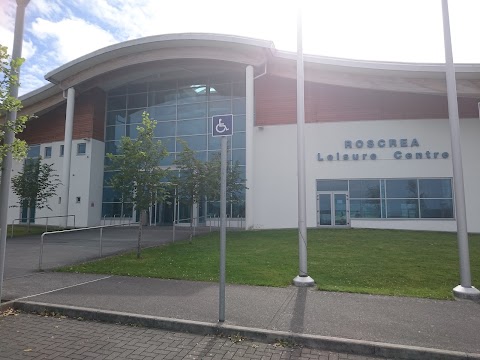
(339, 322)
(27, 336)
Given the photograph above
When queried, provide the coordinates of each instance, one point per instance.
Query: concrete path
(341, 322)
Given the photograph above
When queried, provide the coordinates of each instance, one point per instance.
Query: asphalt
(393, 327)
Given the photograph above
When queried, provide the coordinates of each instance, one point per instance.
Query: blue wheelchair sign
(222, 125)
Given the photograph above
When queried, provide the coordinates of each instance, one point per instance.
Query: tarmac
(366, 325)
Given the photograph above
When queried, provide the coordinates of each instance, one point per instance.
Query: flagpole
(302, 279)
(465, 290)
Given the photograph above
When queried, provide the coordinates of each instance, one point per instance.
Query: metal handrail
(101, 227)
(42, 217)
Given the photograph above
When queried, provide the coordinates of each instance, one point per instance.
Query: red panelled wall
(275, 103)
(89, 118)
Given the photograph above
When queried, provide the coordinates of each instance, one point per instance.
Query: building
(377, 136)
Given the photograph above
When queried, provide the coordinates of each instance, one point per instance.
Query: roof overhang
(176, 55)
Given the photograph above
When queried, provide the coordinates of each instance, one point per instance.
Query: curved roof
(174, 54)
(162, 47)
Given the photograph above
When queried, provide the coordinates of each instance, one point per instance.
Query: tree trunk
(140, 233)
(191, 221)
(29, 209)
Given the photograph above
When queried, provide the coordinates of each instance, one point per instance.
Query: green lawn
(390, 262)
(22, 230)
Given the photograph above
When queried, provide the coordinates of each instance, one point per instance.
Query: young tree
(198, 180)
(138, 178)
(8, 78)
(35, 185)
(235, 182)
(190, 180)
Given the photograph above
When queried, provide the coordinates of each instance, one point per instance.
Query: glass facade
(183, 110)
(396, 198)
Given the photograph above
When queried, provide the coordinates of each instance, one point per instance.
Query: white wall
(276, 168)
(86, 178)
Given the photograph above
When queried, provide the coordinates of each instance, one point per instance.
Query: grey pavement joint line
(63, 288)
(342, 345)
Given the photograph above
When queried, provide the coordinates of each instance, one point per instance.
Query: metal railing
(210, 222)
(100, 244)
(41, 217)
(120, 220)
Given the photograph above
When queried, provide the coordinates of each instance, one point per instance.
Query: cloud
(70, 38)
(46, 8)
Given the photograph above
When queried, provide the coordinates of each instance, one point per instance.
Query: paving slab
(447, 325)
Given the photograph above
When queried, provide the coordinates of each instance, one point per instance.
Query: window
(396, 198)
(62, 150)
(81, 149)
(48, 152)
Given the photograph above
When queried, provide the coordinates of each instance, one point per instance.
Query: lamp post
(9, 138)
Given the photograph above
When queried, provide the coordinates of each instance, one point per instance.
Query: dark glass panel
(325, 208)
(111, 147)
(192, 94)
(197, 142)
(402, 208)
(220, 91)
(435, 188)
(436, 208)
(192, 111)
(116, 117)
(132, 131)
(192, 127)
(362, 189)
(116, 103)
(163, 113)
(110, 195)
(239, 89)
(201, 155)
(220, 107)
(107, 176)
(137, 101)
(162, 98)
(239, 106)
(239, 123)
(405, 188)
(238, 209)
(332, 185)
(239, 155)
(214, 142)
(135, 116)
(33, 151)
(365, 209)
(164, 129)
(114, 132)
(163, 85)
(238, 140)
(167, 160)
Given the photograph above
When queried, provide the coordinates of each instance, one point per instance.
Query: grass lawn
(389, 262)
(22, 230)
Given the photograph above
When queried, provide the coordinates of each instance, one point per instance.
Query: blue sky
(59, 31)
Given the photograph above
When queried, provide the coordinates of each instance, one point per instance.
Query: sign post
(222, 125)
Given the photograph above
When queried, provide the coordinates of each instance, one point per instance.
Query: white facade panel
(330, 152)
(86, 180)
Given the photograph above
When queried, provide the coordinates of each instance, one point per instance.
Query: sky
(58, 31)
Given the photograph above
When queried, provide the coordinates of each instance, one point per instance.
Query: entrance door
(333, 209)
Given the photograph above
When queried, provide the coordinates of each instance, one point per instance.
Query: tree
(35, 185)
(235, 183)
(138, 178)
(189, 180)
(8, 78)
(197, 180)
